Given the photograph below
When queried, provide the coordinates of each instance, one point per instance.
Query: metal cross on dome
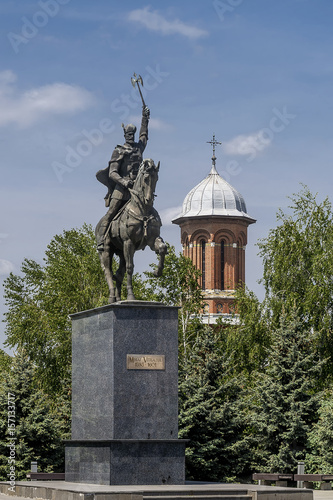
(214, 142)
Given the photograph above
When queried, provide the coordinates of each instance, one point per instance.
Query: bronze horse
(136, 226)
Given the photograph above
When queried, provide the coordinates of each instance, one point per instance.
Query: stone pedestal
(125, 396)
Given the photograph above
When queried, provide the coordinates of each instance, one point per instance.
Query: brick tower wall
(217, 232)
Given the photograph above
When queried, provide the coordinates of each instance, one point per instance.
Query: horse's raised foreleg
(129, 250)
(106, 263)
(161, 249)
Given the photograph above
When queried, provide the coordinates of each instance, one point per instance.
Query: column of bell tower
(213, 225)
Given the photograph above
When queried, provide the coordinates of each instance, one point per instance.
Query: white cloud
(168, 214)
(153, 21)
(154, 123)
(157, 124)
(6, 77)
(247, 144)
(24, 108)
(6, 267)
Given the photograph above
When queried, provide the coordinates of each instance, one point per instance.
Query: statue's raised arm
(143, 134)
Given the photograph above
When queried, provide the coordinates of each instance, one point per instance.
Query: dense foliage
(320, 456)
(41, 298)
(298, 268)
(32, 427)
(5, 363)
(213, 413)
(247, 342)
(285, 402)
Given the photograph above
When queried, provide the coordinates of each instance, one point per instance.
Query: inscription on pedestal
(145, 362)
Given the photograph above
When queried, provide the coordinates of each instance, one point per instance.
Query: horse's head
(146, 180)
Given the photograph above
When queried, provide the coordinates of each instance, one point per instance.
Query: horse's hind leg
(106, 262)
(119, 276)
(161, 249)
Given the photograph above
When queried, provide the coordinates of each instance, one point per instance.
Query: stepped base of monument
(61, 490)
(126, 461)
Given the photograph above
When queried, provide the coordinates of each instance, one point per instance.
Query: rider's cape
(103, 175)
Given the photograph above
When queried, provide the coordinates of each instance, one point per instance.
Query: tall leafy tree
(286, 401)
(320, 458)
(31, 426)
(40, 300)
(212, 413)
(5, 363)
(248, 340)
(298, 267)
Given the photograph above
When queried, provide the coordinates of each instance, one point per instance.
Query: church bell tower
(213, 225)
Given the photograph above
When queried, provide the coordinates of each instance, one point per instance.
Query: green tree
(286, 401)
(30, 423)
(179, 286)
(213, 413)
(247, 341)
(40, 300)
(5, 364)
(298, 268)
(320, 459)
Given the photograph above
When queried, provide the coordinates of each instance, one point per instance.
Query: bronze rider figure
(121, 172)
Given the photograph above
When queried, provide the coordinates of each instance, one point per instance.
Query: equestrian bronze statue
(136, 226)
(131, 222)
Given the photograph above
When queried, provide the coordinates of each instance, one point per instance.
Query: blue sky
(256, 73)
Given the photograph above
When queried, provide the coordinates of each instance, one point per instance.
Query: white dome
(214, 196)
